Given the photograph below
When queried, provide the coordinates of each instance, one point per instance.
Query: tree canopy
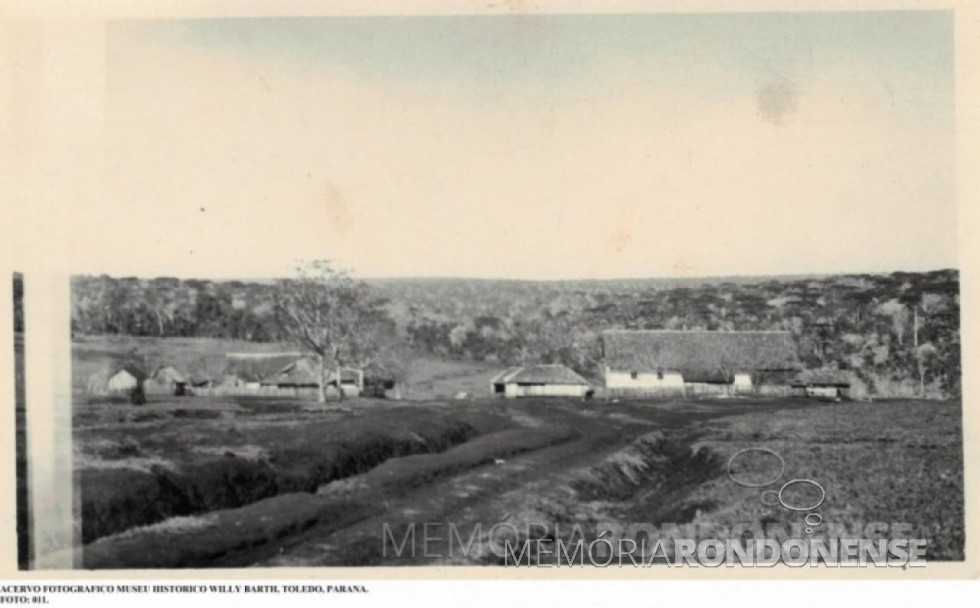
(337, 318)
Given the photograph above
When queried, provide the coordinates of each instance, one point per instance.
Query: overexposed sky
(534, 146)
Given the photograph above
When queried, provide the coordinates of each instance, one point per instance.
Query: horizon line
(714, 277)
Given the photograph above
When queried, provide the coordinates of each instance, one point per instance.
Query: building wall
(672, 384)
(773, 390)
(351, 390)
(121, 381)
(514, 390)
(823, 391)
(159, 387)
(742, 383)
(617, 379)
(708, 389)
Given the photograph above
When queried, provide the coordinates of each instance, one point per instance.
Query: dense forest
(898, 333)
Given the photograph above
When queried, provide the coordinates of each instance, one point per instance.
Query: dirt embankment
(652, 470)
(130, 485)
(235, 537)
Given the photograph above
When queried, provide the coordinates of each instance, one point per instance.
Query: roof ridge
(699, 349)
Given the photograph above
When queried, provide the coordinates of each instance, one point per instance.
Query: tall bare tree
(331, 315)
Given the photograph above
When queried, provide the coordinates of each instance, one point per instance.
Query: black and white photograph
(641, 291)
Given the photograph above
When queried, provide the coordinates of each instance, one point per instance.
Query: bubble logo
(771, 497)
(755, 484)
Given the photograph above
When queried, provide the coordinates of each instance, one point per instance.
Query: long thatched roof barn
(539, 381)
(658, 361)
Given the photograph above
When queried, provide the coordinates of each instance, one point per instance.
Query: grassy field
(888, 462)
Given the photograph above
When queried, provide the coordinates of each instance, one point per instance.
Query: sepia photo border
(48, 40)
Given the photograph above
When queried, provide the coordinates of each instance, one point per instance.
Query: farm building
(228, 383)
(201, 380)
(249, 372)
(383, 379)
(125, 379)
(823, 383)
(302, 377)
(540, 381)
(167, 380)
(351, 381)
(691, 363)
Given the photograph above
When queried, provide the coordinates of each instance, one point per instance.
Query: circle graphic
(816, 522)
(751, 484)
(823, 495)
(770, 503)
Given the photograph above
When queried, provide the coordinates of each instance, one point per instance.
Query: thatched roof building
(126, 378)
(257, 369)
(305, 373)
(167, 379)
(699, 356)
(698, 363)
(539, 381)
(302, 372)
(168, 373)
(540, 374)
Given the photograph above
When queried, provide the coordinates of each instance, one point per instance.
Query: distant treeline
(898, 332)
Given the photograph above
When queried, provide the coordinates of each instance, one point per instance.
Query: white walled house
(125, 379)
(539, 381)
(691, 363)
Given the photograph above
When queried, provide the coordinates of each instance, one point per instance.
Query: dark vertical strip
(20, 398)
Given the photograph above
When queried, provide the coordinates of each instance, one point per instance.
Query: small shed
(380, 380)
(540, 381)
(167, 380)
(823, 383)
(125, 379)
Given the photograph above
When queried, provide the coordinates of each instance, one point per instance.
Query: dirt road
(412, 527)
